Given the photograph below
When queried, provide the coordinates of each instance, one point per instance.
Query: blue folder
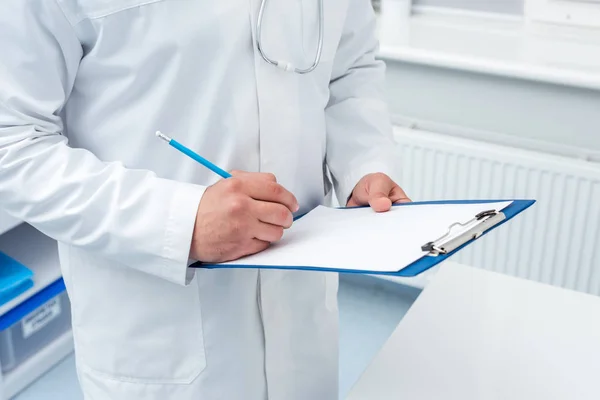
(15, 278)
(421, 265)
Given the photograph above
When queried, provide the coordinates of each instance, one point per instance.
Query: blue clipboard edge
(423, 264)
(17, 313)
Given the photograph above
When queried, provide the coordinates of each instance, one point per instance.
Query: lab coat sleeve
(359, 131)
(130, 216)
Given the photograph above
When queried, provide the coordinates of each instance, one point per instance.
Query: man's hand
(240, 216)
(377, 190)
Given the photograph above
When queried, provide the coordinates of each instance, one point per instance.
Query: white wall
(564, 118)
(519, 113)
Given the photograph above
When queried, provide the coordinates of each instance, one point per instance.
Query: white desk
(478, 335)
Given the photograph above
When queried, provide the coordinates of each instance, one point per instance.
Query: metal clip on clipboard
(461, 233)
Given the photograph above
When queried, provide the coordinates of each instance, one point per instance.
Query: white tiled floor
(370, 309)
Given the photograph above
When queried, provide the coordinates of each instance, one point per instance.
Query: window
(578, 13)
(492, 6)
(582, 13)
(514, 7)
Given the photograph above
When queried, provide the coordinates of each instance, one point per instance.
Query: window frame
(578, 13)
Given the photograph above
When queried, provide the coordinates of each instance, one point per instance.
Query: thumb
(378, 194)
(380, 202)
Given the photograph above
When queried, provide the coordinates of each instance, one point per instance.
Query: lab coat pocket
(133, 327)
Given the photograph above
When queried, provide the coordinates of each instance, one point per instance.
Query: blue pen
(193, 155)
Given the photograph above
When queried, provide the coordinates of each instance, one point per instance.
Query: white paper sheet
(360, 239)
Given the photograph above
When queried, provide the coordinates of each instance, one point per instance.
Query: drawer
(34, 331)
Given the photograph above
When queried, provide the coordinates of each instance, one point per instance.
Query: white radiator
(556, 241)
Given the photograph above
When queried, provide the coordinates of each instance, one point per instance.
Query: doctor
(83, 87)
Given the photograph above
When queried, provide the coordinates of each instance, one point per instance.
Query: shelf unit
(39, 253)
(36, 251)
(7, 222)
(26, 373)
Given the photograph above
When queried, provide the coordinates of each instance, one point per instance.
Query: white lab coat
(83, 87)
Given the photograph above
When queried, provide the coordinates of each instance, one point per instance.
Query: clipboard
(444, 247)
(459, 234)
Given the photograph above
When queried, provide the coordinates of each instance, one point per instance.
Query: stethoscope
(285, 65)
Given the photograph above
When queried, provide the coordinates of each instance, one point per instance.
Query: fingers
(254, 175)
(267, 232)
(360, 197)
(272, 213)
(263, 186)
(256, 246)
(264, 190)
(379, 202)
(378, 191)
(353, 202)
(399, 196)
(372, 185)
